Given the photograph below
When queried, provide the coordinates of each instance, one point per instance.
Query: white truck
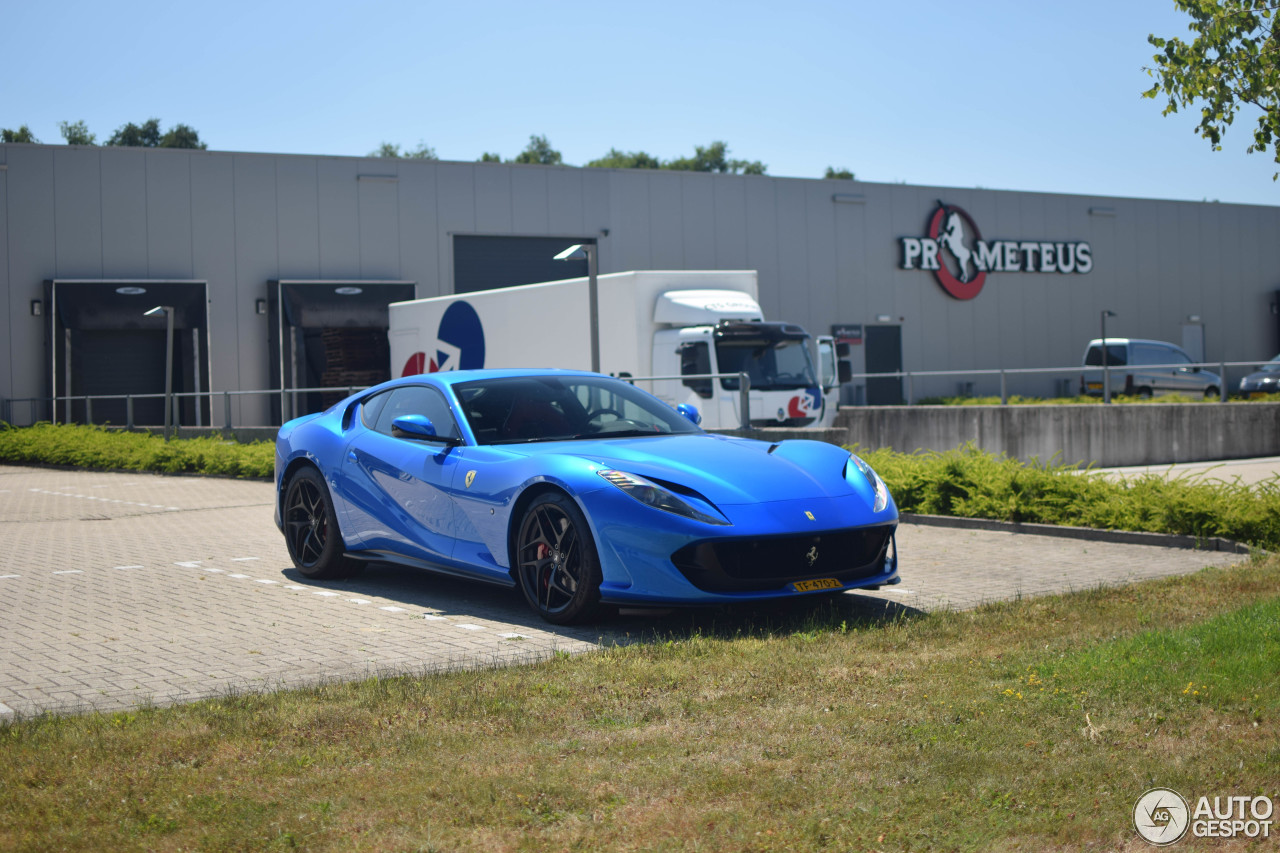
(686, 323)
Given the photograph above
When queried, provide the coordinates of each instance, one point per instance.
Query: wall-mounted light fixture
(884, 318)
(1193, 318)
(37, 308)
(259, 306)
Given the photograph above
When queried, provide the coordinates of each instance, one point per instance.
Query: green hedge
(99, 447)
(971, 483)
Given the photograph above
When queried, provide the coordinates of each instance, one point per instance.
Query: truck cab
(785, 388)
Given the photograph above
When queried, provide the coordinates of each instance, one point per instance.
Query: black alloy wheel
(311, 528)
(556, 561)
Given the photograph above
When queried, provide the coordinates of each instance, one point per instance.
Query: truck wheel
(556, 560)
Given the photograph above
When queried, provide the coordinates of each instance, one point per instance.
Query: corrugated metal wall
(239, 220)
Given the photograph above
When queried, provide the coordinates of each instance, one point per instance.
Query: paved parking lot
(124, 589)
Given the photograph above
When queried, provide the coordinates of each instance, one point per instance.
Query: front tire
(1212, 393)
(311, 528)
(556, 562)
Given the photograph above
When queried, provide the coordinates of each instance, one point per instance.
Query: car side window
(418, 400)
(371, 407)
(695, 358)
(1176, 356)
(1143, 354)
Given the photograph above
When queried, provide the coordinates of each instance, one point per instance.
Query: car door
(397, 490)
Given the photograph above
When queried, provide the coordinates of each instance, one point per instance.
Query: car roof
(453, 377)
(1110, 340)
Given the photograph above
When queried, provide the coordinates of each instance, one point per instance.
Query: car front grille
(758, 564)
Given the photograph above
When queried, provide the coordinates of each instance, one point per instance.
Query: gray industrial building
(279, 267)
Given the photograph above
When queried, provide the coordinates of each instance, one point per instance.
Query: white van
(1146, 368)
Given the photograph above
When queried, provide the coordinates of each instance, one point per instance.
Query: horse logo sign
(962, 268)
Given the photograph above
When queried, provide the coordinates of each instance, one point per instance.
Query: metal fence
(291, 406)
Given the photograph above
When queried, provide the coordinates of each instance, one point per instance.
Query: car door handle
(351, 454)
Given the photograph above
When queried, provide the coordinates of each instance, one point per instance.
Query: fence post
(226, 410)
(1222, 377)
(128, 411)
(177, 409)
(1004, 389)
(910, 389)
(88, 410)
(744, 388)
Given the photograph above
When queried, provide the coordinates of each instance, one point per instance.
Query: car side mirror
(417, 427)
(845, 371)
(690, 412)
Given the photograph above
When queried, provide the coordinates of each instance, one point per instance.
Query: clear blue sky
(1002, 95)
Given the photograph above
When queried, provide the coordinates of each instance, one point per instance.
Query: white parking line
(215, 571)
(237, 576)
(265, 580)
(3, 577)
(511, 635)
(244, 559)
(294, 586)
(431, 617)
(392, 609)
(325, 593)
(70, 572)
(189, 564)
(129, 567)
(468, 627)
(359, 601)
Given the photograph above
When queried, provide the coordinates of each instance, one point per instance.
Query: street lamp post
(167, 310)
(577, 253)
(1106, 361)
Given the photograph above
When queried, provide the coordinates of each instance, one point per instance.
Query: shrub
(99, 447)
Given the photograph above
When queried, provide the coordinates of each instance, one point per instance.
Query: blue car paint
(408, 500)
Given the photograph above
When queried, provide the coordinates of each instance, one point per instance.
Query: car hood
(724, 470)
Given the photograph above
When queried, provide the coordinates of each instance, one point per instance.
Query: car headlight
(651, 494)
(881, 490)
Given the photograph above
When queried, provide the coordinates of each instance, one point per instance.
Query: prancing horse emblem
(471, 477)
(812, 556)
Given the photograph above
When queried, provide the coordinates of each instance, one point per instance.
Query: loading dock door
(101, 344)
(329, 334)
(483, 262)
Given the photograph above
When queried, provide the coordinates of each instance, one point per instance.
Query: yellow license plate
(1095, 386)
(1256, 395)
(818, 583)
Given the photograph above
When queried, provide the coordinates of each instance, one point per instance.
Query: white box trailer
(684, 323)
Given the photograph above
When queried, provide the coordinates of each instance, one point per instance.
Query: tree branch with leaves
(1232, 62)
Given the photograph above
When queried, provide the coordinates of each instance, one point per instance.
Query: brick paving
(119, 590)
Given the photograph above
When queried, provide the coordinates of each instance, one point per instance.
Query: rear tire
(555, 560)
(311, 529)
(1144, 393)
(1212, 393)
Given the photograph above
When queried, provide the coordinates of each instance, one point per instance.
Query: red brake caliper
(544, 551)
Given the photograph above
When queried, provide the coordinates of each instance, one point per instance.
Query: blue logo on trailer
(460, 341)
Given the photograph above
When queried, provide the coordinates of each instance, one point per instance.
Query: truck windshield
(771, 365)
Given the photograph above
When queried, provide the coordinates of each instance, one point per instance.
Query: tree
(393, 152)
(76, 133)
(715, 158)
(1232, 61)
(838, 174)
(22, 134)
(490, 157)
(616, 159)
(147, 135)
(182, 136)
(539, 150)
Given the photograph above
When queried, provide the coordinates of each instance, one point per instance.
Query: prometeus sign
(963, 268)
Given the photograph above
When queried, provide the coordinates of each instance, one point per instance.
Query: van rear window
(1115, 356)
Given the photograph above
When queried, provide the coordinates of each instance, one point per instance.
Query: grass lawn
(1034, 724)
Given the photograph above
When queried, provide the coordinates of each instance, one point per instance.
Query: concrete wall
(1134, 434)
(826, 251)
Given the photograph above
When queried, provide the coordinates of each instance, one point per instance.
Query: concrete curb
(1092, 534)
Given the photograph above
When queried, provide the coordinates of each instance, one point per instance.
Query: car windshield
(770, 365)
(515, 409)
(1272, 366)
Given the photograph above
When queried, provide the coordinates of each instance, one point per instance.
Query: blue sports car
(580, 489)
